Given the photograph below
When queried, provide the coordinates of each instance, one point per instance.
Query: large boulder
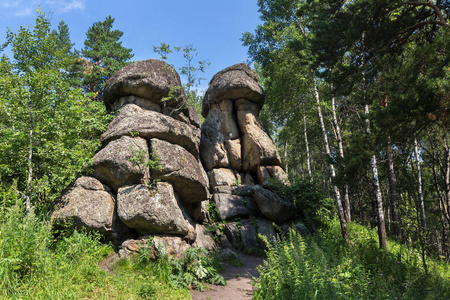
(139, 101)
(151, 79)
(205, 238)
(237, 81)
(151, 209)
(272, 205)
(122, 162)
(87, 203)
(265, 228)
(248, 235)
(219, 127)
(257, 146)
(157, 246)
(150, 124)
(230, 206)
(181, 169)
(234, 153)
(221, 177)
(231, 231)
(277, 173)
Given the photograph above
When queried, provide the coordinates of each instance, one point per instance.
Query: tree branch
(436, 9)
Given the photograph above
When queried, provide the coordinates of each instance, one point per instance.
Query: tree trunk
(377, 192)
(308, 155)
(347, 209)
(286, 165)
(332, 171)
(30, 173)
(419, 186)
(393, 189)
(447, 176)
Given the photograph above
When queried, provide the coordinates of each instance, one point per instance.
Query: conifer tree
(104, 55)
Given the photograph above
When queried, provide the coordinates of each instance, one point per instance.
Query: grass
(329, 268)
(33, 265)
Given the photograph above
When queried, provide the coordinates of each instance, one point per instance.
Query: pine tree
(104, 55)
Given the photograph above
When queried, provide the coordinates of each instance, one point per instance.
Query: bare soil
(238, 280)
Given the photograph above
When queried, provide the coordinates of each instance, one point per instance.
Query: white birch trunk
(332, 171)
(419, 185)
(347, 209)
(377, 191)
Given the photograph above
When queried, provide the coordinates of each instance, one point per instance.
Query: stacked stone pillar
(240, 157)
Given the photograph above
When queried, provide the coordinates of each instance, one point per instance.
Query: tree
(104, 55)
(48, 128)
(190, 70)
(281, 48)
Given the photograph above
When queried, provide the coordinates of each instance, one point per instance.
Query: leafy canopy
(48, 128)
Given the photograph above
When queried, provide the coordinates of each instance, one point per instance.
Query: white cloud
(23, 12)
(74, 5)
(21, 8)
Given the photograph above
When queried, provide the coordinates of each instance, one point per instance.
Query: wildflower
(381, 274)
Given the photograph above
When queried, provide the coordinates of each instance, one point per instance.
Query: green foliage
(190, 70)
(195, 269)
(213, 211)
(140, 158)
(33, 265)
(104, 55)
(48, 128)
(328, 268)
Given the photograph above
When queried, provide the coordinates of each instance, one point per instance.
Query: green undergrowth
(36, 265)
(328, 268)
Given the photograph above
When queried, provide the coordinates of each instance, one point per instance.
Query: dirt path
(238, 281)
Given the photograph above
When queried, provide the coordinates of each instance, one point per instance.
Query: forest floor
(238, 279)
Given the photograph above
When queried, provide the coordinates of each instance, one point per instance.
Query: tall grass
(33, 265)
(328, 268)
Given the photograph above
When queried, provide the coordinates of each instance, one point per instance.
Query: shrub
(329, 268)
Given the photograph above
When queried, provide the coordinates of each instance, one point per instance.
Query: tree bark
(377, 192)
(393, 189)
(447, 176)
(419, 186)
(332, 171)
(308, 155)
(30, 172)
(347, 209)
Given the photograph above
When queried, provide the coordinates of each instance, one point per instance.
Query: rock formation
(235, 149)
(147, 179)
(157, 169)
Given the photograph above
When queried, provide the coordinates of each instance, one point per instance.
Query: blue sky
(213, 27)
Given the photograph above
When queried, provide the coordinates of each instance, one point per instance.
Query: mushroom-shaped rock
(118, 163)
(86, 204)
(151, 79)
(150, 124)
(151, 209)
(181, 169)
(237, 81)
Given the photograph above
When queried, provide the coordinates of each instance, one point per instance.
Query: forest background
(357, 102)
